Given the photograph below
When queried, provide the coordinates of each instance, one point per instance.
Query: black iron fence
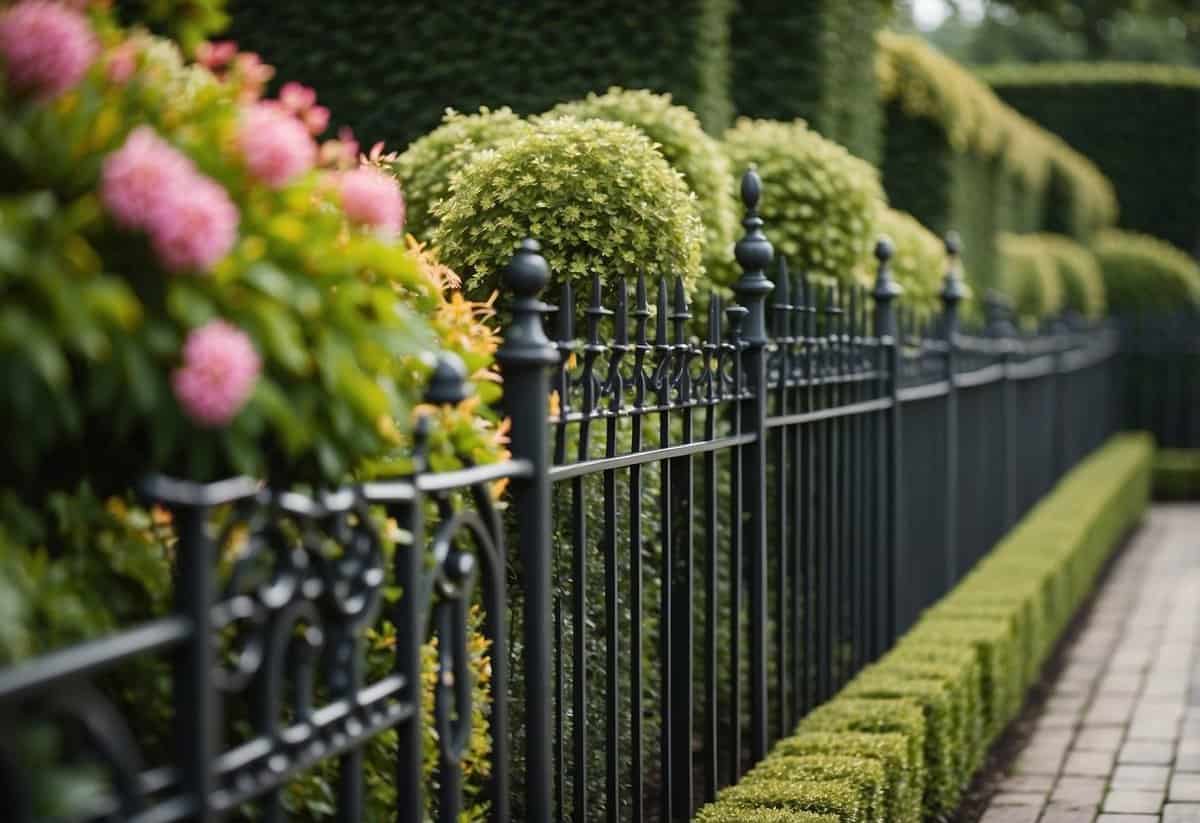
(1161, 386)
(709, 532)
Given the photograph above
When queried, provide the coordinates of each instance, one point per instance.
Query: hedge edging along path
(902, 741)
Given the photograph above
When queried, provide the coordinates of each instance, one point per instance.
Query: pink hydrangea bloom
(316, 119)
(139, 176)
(372, 198)
(216, 54)
(121, 63)
(46, 47)
(194, 226)
(277, 146)
(220, 368)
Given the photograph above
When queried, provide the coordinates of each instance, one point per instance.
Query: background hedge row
(1139, 123)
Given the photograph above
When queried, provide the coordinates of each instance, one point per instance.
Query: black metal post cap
(751, 188)
(448, 385)
(527, 273)
(884, 248)
(953, 243)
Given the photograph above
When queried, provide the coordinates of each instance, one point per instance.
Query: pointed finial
(448, 385)
(886, 287)
(527, 273)
(953, 288)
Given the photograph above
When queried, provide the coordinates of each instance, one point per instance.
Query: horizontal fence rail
(716, 515)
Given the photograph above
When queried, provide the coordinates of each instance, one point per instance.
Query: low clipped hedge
(1029, 276)
(1177, 474)
(926, 713)
(1145, 275)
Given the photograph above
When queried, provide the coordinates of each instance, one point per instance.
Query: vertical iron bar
(887, 334)
(525, 358)
(783, 341)
(640, 314)
(736, 314)
(953, 292)
(754, 254)
(713, 392)
(662, 385)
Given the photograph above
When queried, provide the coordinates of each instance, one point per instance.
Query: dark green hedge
(1177, 474)
(1139, 124)
(391, 68)
(927, 712)
(811, 59)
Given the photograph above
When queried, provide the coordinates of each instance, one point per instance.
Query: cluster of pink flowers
(46, 47)
(150, 186)
(372, 198)
(220, 368)
(277, 147)
(301, 101)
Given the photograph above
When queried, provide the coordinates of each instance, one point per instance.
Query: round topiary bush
(820, 203)
(684, 144)
(1143, 274)
(1029, 277)
(1079, 273)
(427, 165)
(597, 195)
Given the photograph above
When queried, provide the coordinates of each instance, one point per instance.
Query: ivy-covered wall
(390, 68)
(811, 59)
(1140, 124)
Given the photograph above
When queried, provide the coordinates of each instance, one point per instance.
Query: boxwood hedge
(933, 704)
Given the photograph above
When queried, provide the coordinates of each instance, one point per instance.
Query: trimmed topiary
(697, 156)
(723, 813)
(889, 750)
(1079, 273)
(820, 203)
(597, 195)
(426, 167)
(1030, 278)
(1143, 274)
(834, 797)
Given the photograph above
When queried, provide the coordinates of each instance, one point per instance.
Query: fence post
(754, 253)
(889, 547)
(525, 359)
(952, 294)
(1001, 328)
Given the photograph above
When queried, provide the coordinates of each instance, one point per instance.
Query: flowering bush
(190, 282)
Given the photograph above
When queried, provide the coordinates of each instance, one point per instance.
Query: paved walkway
(1118, 739)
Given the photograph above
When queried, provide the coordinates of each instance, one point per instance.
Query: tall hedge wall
(1139, 123)
(391, 68)
(956, 157)
(810, 59)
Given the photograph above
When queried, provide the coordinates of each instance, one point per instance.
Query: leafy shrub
(936, 701)
(1104, 109)
(596, 194)
(820, 203)
(1177, 474)
(1079, 274)
(1144, 275)
(691, 152)
(426, 167)
(863, 773)
(1030, 278)
(833, 797)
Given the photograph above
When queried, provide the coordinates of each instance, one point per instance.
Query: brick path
(1118, 739)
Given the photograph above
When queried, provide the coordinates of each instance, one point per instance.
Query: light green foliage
(919, 261)
(698, 157)
(862, 772)
(933, 704)
(819, 203)
(427, 166)
(1030, 278)
(1145, 275)
(1078, 272)
(834, 797)
(596, 194)
(724, 813)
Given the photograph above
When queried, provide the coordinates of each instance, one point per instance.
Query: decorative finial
(886, 287)
(527, 273)
(751, 189)
(448, 385)
(754, 252)
(953, 288)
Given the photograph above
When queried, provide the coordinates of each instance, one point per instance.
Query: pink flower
(297, 98)
(277, 146)
(216, 54)
(220, 368)
(139, 176)
(316, 119)
(46, 47)
(194, 226)
(372, 198)
(121, 63)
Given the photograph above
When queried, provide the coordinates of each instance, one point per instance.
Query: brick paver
(1118, 738)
